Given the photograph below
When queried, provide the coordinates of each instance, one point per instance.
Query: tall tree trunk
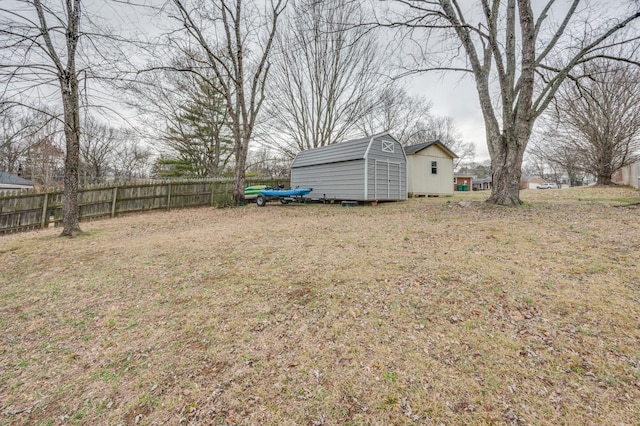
(71, 105)
(68, 80)
(506, 168)
(605, 171)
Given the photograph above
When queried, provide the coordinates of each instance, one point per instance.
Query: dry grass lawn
(429, 311)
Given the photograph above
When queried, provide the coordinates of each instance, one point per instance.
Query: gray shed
(366, 169)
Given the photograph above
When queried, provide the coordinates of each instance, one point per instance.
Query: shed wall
(386, 171)
(422, 181)
(340, 181)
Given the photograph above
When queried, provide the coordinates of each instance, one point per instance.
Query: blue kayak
(284, 195)
(285, 192)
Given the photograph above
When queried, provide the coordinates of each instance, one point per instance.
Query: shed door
(387, 181)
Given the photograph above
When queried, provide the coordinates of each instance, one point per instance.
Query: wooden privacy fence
(32, 210)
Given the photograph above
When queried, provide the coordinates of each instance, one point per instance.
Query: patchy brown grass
(422, 312)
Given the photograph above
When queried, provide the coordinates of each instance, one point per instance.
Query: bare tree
(235, 42)
(518, 58)
(550, 158)
(40, 42)
(325, 74)
(97, 145)
(409, 120)
(595, 126)
(266, 162)
(131, 159)
(44, 160)
(398, 113)
(443, 129)
(14, 131)
(480, 170)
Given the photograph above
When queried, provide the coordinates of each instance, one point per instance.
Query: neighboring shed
(366, 169)
(9, 182)
(430, 169)
(462, 182)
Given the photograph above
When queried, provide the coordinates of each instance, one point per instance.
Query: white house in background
(9, 182)
(429, 169)
(531, 182)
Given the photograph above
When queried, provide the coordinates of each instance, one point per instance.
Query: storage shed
(430, 169)
(366, 169)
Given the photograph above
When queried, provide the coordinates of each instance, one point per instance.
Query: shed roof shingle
(354, 149)
(412, 149)
(8, 178)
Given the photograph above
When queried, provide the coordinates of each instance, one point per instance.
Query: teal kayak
(284, 195)
(251, 192)
(285, 192)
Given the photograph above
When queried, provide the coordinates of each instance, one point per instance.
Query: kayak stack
(251, 192)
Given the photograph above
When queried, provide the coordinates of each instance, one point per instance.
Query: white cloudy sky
(454, 95)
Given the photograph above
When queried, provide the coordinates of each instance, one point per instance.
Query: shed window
(434, 167)
(387, 146)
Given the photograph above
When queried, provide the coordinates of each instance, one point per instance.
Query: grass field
(431, 311)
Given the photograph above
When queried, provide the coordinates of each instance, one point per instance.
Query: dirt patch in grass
(429, 311)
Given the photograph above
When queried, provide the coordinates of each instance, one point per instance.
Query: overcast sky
(455, 96)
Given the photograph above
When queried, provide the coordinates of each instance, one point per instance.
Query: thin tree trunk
(239, 174)
(71, 105)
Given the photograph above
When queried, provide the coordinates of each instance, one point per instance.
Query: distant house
(531, 182)
(628, 175)
(462, 182)
(9, 182)
(429, 169)
(483, 184)
(373, 168)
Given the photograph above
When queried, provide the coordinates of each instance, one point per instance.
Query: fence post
(212, 186)
(45, 211)
(113, 201)
(169, 197)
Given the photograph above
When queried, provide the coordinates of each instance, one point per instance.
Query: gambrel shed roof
(355, 149)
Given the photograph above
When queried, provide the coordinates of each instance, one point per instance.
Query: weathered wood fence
(34, 210)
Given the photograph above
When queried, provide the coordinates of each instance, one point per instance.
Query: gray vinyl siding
(338, 171)
(386, 182)
(340, 181)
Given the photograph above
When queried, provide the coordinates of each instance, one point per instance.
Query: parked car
(548, 186)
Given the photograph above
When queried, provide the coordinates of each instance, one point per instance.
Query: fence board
(31, 210)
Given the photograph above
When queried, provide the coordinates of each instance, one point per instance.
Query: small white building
(429, 169)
